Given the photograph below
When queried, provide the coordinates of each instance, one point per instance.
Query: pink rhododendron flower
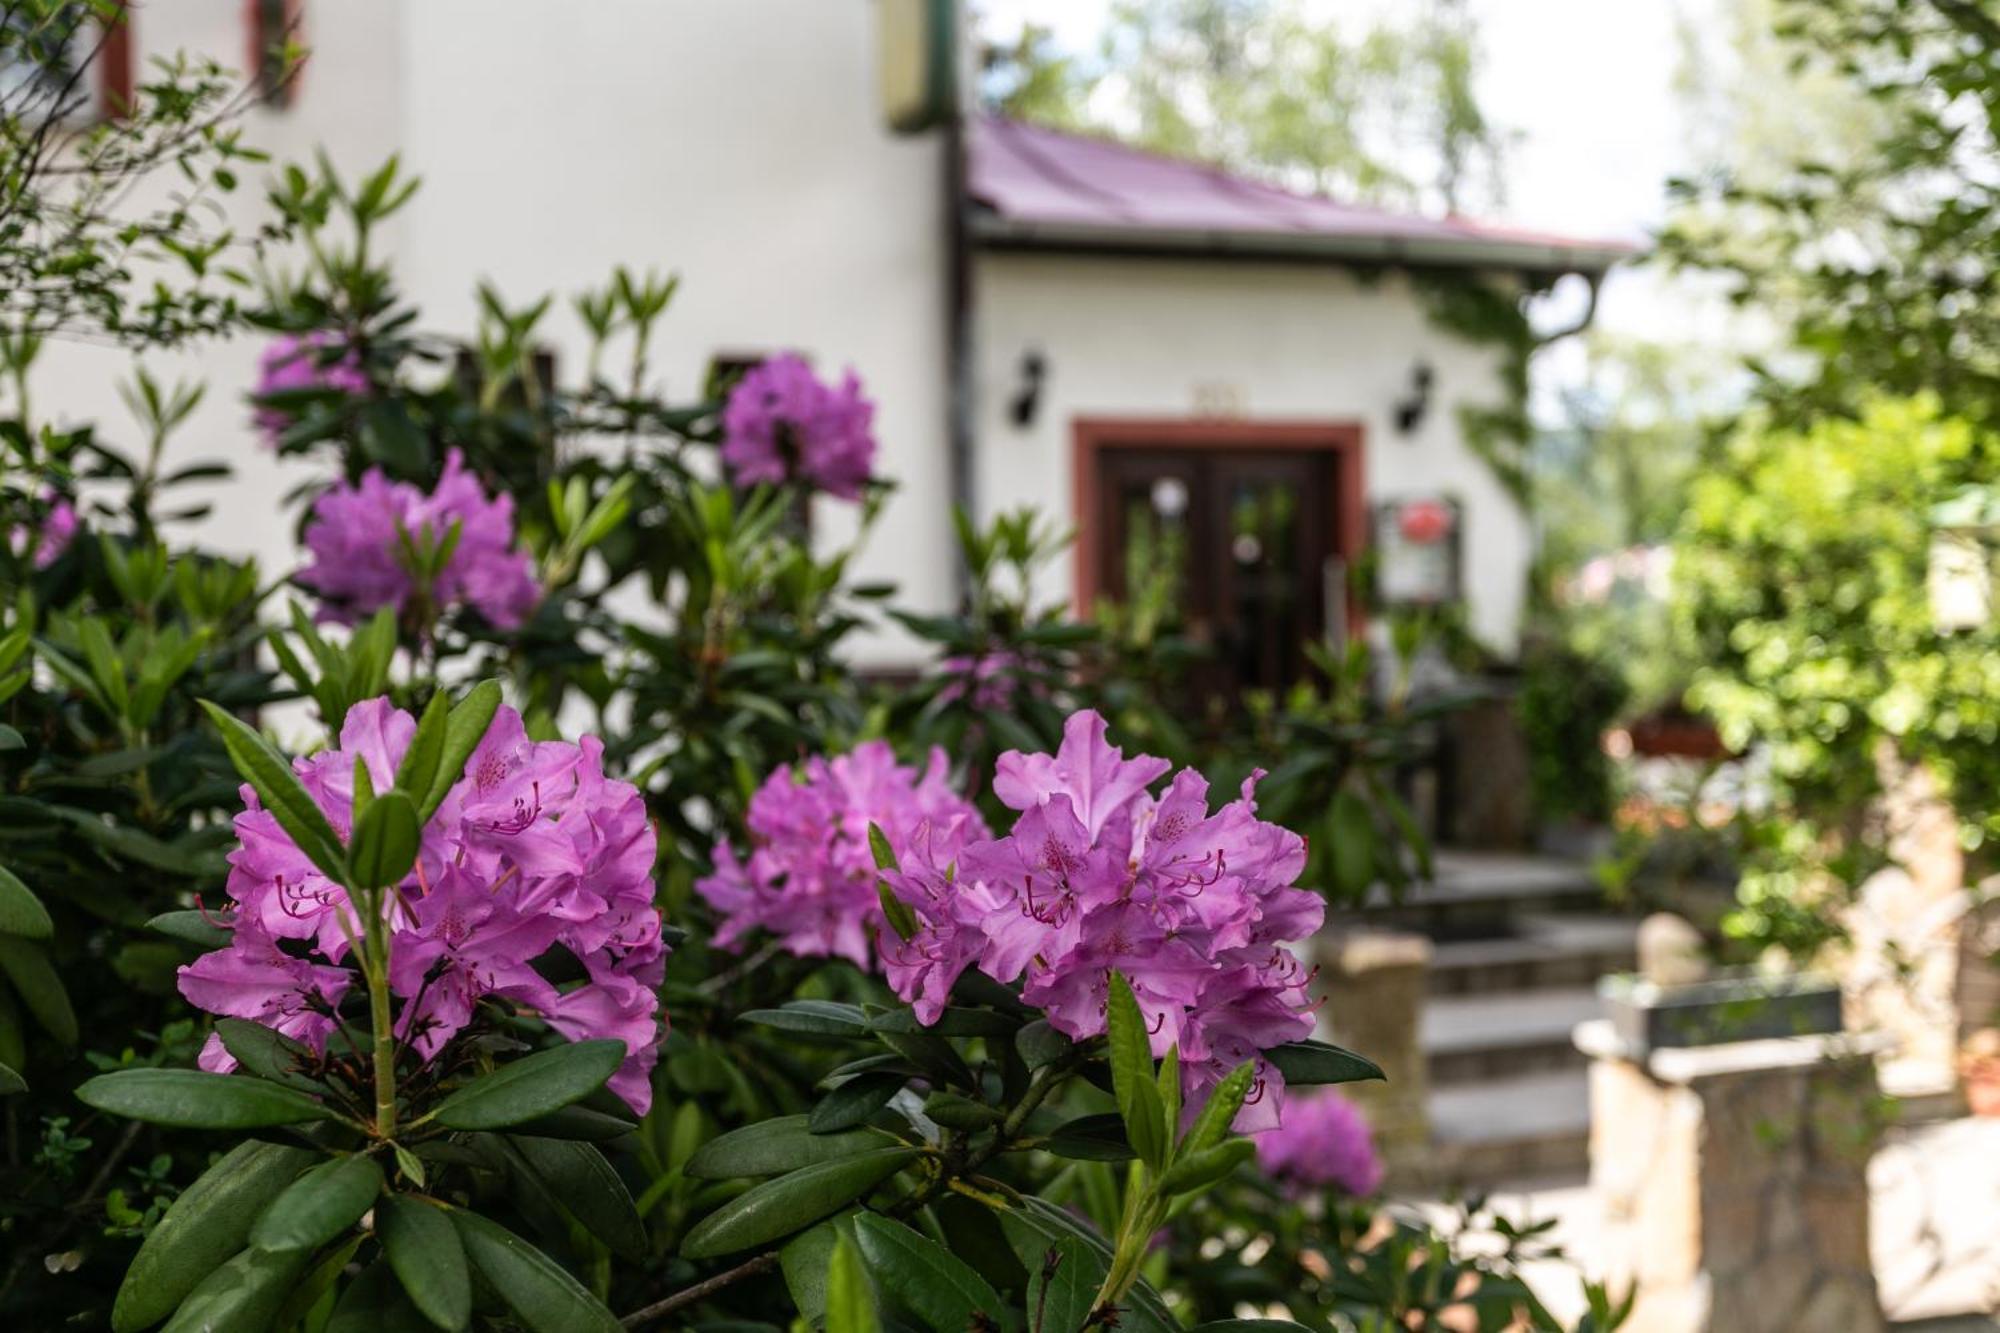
(297, 361)
(810, 877)
(52, 536)
(360, 536)
(533, 848)
(1195, 908)
(1323, 1140)
(782, 424)
(987, 681)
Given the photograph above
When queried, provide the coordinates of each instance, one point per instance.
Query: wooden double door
(1238, 537)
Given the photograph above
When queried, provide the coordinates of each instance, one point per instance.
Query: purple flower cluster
(984, 681)
(52, 536)
(533, 848)
(360, 538)
(298, 361)
(1323, 1141)
(1194, 908)
(782, 424)
(810, 877)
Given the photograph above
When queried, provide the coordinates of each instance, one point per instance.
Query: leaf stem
(375, 965)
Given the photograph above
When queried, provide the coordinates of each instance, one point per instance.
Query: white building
(1143, 347)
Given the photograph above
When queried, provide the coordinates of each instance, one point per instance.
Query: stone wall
(1733, 1181)
(1373, 983)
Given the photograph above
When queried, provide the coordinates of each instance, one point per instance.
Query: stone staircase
(1517, 945)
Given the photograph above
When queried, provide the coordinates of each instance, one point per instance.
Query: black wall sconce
(1027, 400)
(1414, 406)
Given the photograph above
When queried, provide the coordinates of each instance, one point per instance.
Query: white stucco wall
(740, 144)
(1148, 337)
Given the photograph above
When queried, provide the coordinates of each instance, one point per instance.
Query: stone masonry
(1373, 982)
(1733, 1182)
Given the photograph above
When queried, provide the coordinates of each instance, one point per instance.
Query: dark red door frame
(1341, 440)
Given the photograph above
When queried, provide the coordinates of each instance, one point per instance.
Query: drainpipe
(959, 462)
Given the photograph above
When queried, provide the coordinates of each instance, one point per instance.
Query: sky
(1587, 87)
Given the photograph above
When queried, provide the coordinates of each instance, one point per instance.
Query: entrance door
(1238, 545)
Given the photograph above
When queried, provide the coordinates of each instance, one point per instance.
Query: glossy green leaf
(242, 1296)
(818, 1017)
(465, 726)
(192, 1099)
(21, 912)
(952, 1022)
(268, 1053)
(191, 927)
(210, 1221)
(1211, 1123)
(853, 1102)
(577, 1122)
(1036, 1224)
(279, 788)
(374, 1302)
(850, 1304)
(27, 967)
(879, 848)
(1132, 1078)
(956, 1112)
(319, 1205)
(584, 1183)
(773, 1147)
(1063, 1288)
(418, 772)
(1304, 1063)
(1092, 1138)
(792, 1202)
(927, 1280)
(385, 841)
(424, 1251)
(803, 1262)
(535, 1085)
(1196, 1171)
(1040, 1044)
(11, 1082)
(541, 1293)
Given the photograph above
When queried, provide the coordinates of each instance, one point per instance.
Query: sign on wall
(1417, 544)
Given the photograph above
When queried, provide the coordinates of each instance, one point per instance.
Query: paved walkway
(1935, 1229)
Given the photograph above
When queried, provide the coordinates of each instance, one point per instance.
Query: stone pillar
(1373, 983)
(1733, 1182)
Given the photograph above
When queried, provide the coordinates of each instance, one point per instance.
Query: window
(69, 69)
(274, 26)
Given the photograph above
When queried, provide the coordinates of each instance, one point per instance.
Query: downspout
(959, 462)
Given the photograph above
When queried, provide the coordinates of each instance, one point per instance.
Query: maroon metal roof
(1036, 186)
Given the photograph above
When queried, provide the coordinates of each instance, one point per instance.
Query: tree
(1385, 116)
(1870, 237)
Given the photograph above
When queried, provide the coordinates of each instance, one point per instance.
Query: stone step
(1478, 894)
(1543, 950)
(1499, 1034)
(1524, 1127)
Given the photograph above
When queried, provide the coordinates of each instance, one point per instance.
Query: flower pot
(1743, 1006)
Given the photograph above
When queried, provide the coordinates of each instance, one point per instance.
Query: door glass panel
(1263, 603)
(1154, 561)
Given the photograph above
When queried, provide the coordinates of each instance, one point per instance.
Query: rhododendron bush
(516, 913)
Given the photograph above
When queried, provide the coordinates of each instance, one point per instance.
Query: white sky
(1587, 88)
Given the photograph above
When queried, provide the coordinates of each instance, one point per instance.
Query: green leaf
(375, 1303)
(1352, 845)
(1092, 1138)
(280, 790)
(956, 1112)
(243, 1295)
(853, 1102)
(27, 967)
(850, 1305)
(577, 1122)
(210, 1221)
(951, 1022)
(465, 726)
(424, 1251)
(1130, 1053)
(385, 841)
(1211, 1124)
(1304, 1063)
(1198, 1170)
(540, 1292)
(804, 1260)
(1169, 1088)
(926, 1279)
(192, 1099)
(418, 772)
(818, 1017)
(879, 848)
(11, 1082)
(191, 927)
(901, 918)
(792, 1202)
(1040, 1044)
(319, 1205)
(533, 1086)
(1063, 1289)
(267, 1053)
(578, 1177)
(1147, 1126)
(774, 1147)
(21, 912)
(11, 739)
(1036, 1224)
